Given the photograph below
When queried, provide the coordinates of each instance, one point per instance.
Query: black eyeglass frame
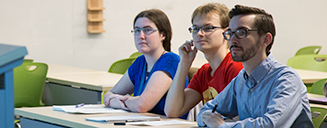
(238, 31)
(191, 29)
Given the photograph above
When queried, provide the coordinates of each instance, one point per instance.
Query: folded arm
(156, 88)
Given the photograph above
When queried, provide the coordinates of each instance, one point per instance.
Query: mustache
(235, 47)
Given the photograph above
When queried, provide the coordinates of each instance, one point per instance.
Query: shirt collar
(260, 71)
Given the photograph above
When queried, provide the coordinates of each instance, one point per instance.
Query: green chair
(29, 80)
(104, 92)
(309, 62)
(121, 66)
(318, 87)
(135, 55)
(317, 121)
(308, 50)
(28, 60)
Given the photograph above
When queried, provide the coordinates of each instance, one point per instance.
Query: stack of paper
(87, 109)
(322, 100)
(161, 123)
(125, 118)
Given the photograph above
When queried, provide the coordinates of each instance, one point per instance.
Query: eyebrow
(203, 25)
(242, 27)
(143, 27)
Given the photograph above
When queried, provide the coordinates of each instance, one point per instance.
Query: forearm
(176, 96)
(137, 104)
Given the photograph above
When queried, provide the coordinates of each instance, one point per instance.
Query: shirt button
(258, 82)
(251, 90)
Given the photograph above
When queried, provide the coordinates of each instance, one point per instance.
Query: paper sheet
(86, 109)
(160, 123)
(124, 118)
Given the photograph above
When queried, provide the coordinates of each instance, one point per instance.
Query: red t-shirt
(209, 86)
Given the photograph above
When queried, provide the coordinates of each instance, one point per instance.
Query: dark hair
(263, 21)
(160, 19)
(220, 9)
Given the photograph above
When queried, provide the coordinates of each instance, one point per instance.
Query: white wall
(55, 31)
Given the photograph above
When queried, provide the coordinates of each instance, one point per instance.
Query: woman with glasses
(151, 74)
(209, 21)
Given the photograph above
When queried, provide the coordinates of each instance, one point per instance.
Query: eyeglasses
(206, 29)
(240, 33)
(146, 30)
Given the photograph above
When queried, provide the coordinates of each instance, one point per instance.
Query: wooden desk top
(309, 76)
(78, 120)
(310, 95)
(63, 69)
(79, 77)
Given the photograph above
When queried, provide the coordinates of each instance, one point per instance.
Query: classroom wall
(55, 31)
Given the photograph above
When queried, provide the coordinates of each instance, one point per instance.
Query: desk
(46, 117)
(309, 77)
(70, 85)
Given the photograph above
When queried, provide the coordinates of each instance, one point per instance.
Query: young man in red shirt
(209, 21)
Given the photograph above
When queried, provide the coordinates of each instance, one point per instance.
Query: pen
(213, 110)
(119, 123)
(79, 105)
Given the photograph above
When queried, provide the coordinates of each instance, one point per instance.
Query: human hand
(186, 52)
(108, 97)
(212, 119)
(116, 103)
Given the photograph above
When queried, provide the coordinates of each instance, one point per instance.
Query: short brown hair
(220, 9)
(263, 21)
(160, 19)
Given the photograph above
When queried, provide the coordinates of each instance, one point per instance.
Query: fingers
(115, 103)
(107, 99)
(122, 98)
(187, 46)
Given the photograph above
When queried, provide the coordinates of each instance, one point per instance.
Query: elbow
(171, 114)
(142, 109)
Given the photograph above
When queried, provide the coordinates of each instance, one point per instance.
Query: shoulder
(169, 59)
(137, 64)
(170, 56)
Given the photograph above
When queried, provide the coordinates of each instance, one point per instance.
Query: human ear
(163, 37)
(267, 39)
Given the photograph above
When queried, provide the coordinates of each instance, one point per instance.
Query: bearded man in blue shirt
(265, 93)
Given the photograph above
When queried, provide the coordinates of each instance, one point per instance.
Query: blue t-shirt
(167, 62)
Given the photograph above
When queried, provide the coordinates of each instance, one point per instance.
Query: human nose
(200, 32)
(233, 39)
(142, 34)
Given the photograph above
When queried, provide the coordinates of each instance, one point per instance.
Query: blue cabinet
(10, 57)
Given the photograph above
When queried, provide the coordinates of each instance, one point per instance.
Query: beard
(247, 54)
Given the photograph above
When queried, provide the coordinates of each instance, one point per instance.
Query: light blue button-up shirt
(273, 96)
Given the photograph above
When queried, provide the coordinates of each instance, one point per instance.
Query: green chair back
(308, 50)
(318, 87)
(121, 66)
(28, 60)
(317, 121)
(104, 92)
(135, 55)
(29, 80)
(309, 62)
